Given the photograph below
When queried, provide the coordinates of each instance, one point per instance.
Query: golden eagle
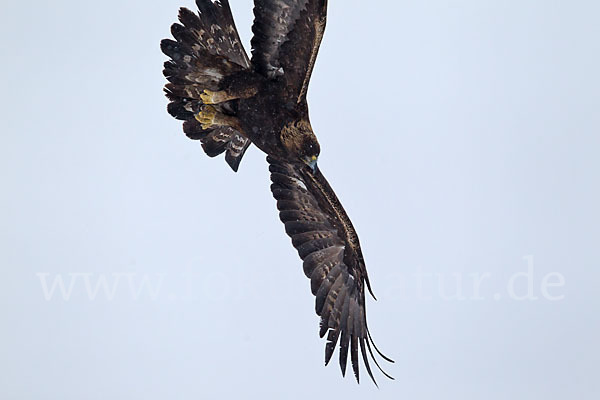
(228, 101)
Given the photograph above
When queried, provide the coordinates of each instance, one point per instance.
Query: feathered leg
(241, 85)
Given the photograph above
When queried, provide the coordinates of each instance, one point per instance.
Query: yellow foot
(210, 97)
(206, 117)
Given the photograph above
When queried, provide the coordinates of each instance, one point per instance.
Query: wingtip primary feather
(354, 357)
(378, 351)
(366, 361)
(377, 363)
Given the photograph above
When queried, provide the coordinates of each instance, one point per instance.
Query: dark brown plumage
(228, 101)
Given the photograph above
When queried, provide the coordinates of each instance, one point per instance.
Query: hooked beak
(311, 162)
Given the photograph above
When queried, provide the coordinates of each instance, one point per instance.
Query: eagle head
(300, 142)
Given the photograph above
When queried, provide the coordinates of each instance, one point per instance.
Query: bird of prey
(229, 101)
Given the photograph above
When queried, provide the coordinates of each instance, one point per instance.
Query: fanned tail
(206, 50)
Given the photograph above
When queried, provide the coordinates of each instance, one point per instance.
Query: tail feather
(218, 140)
(236, 149)
(193, 130)
(206, 50)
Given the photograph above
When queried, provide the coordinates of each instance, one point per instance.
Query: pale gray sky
(462, 138)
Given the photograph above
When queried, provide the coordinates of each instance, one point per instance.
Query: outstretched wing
(273, 20)
(328, 245)
(287, 36)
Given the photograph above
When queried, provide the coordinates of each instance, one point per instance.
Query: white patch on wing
(299, 183)
(213, 73)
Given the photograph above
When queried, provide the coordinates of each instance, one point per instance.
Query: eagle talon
(210, 97)
(206, 117)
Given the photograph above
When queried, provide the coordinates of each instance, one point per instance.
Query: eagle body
(229, 101)
(264, 116)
